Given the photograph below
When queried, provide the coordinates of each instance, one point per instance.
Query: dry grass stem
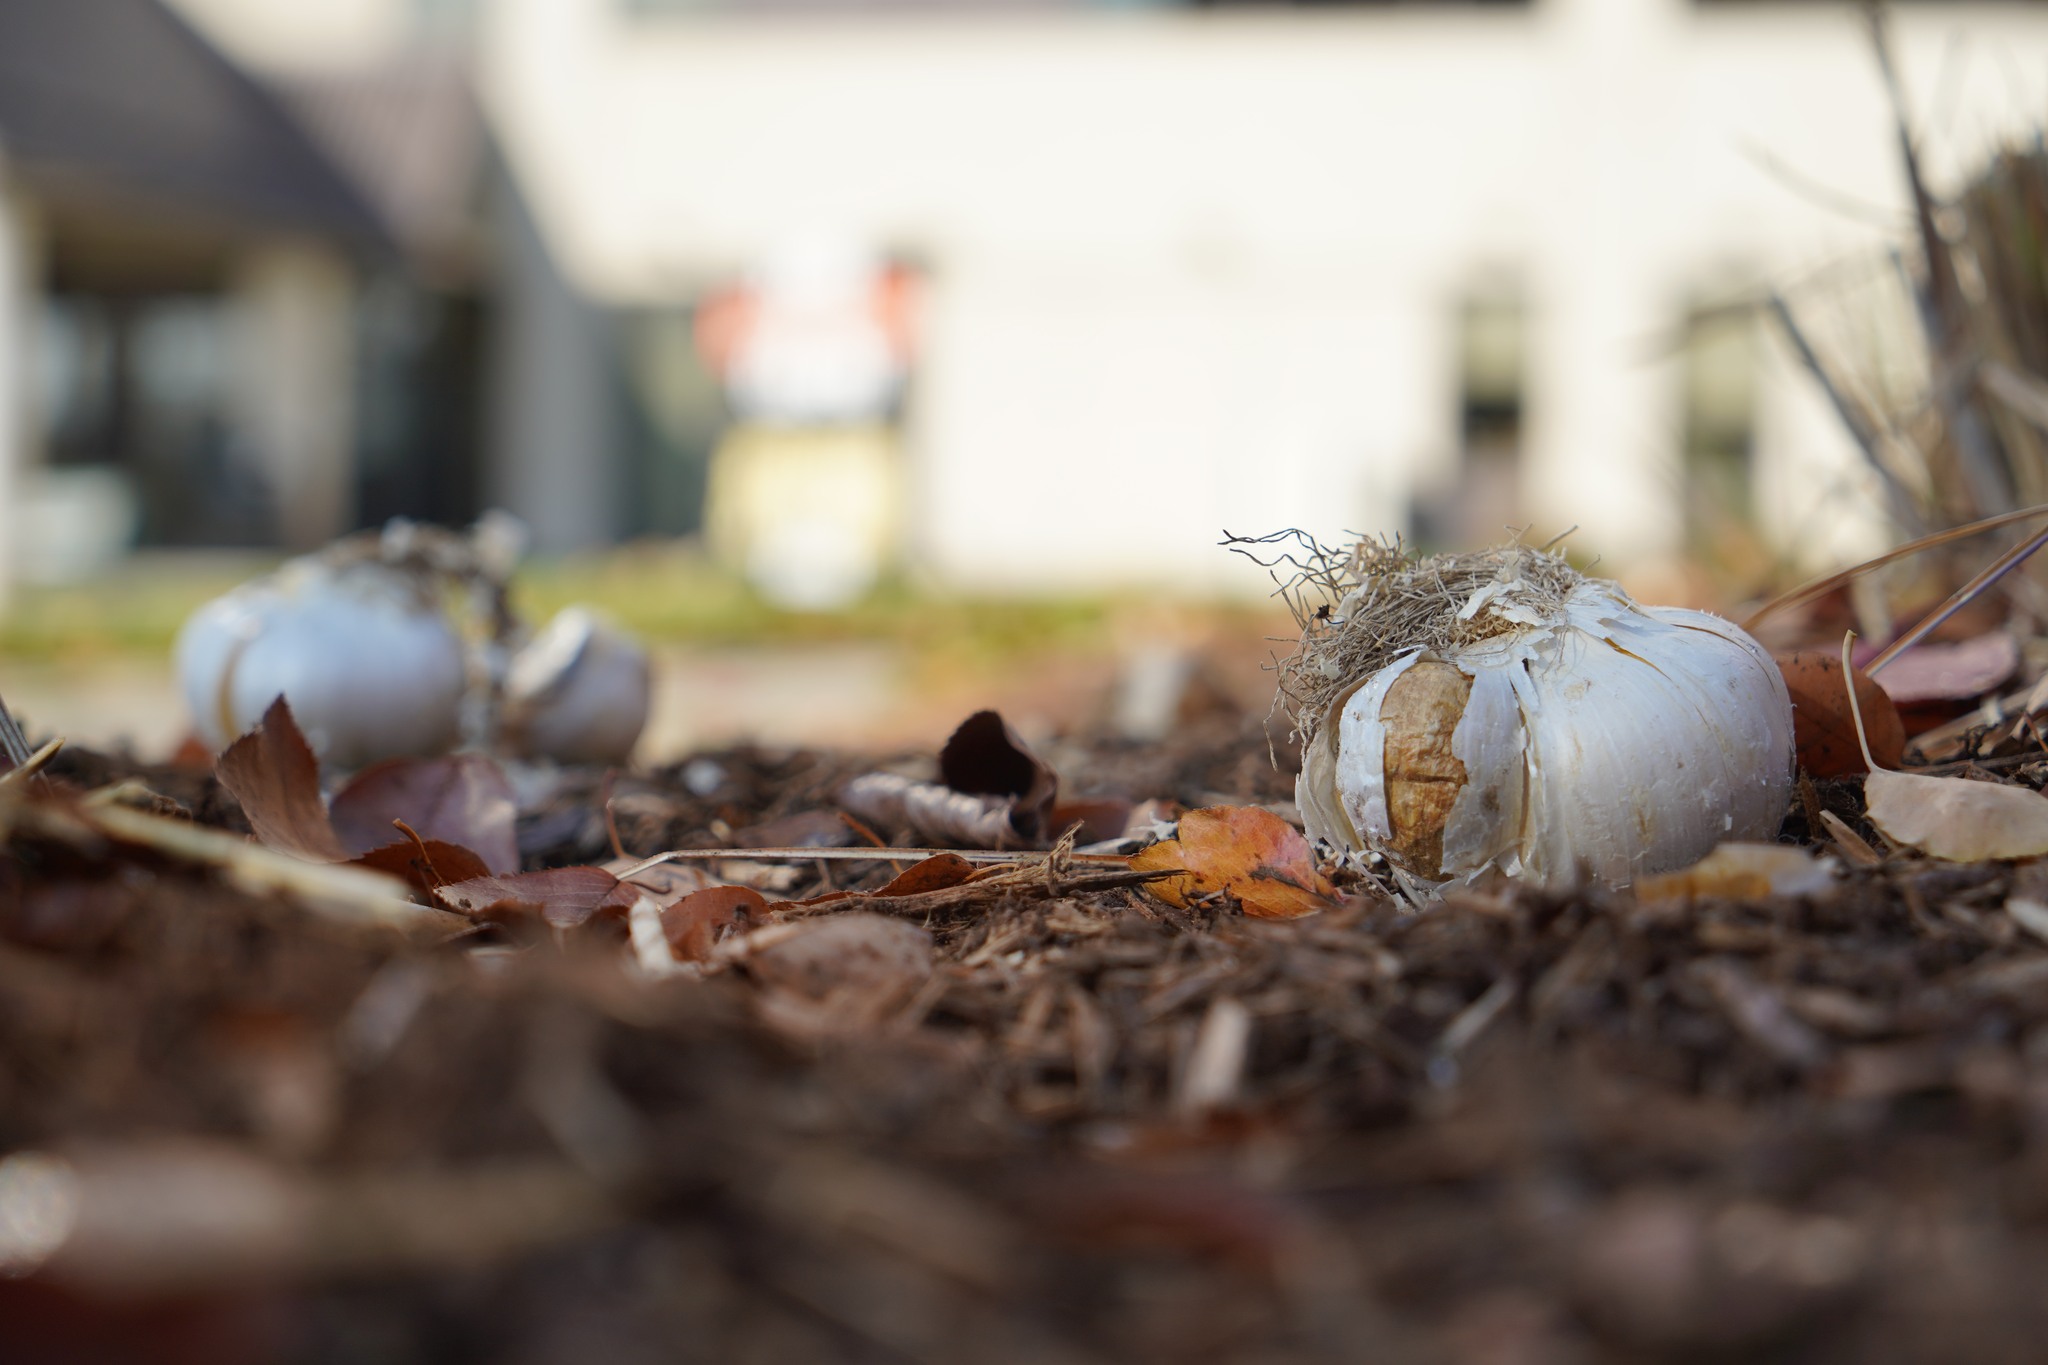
(1362, 608)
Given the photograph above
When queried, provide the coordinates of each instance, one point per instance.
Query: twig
(12, 740)
(1961, 598)
(864, 855)
(30, 766)
(1944, 309)
(1827, 583)
(1861, 424)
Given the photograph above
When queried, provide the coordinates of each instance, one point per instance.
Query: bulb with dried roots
(1501, 710)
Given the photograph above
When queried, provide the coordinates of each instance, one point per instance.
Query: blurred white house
(1179, 269)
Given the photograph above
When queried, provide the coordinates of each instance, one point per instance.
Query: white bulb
(578, 692)
(1588, 740)
(371, 666)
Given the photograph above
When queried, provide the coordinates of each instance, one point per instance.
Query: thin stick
(1961, 598)
(30, 766)
(1827, 583)
(863, 855)
(1855, 707)
(12, 740)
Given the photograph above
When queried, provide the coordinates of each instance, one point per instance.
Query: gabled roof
(121, 99)
(411, 138)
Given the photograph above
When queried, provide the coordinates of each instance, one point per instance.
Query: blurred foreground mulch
(1514, 1128)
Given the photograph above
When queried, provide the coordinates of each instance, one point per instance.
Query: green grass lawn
(668, 594)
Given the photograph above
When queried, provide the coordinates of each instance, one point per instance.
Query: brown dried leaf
(462, 799)
(1958, 819)
(563, 897)
(1961, 671)
(427, 864)
(272, 772)
(1253, 854)
(663, 883)
(693, 924)
(1821, 722)
(935, 873)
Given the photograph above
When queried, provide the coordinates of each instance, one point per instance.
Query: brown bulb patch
(1423, 777)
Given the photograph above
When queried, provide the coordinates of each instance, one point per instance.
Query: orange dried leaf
(1251, 853)
(1821, 723)
(935, 873)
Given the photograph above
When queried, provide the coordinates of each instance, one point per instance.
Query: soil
(1513, 1127)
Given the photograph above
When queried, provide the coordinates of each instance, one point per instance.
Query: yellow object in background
(812, 515)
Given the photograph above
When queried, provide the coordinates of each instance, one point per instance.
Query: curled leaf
(1251, 853)
(986, 757)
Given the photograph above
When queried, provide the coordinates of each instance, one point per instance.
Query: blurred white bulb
(578, 692)
(371, 666)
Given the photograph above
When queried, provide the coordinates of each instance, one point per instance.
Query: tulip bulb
(578, 692)
(371, 666)
(1499, 710)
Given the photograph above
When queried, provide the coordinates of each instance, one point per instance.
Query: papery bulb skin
(371, 666)
(1586, 740)
(579, 692)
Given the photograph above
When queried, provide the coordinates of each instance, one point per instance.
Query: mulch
(1513, 1127)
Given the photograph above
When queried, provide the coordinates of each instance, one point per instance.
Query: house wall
(20, 297)
(1191, 271)
(291, 392)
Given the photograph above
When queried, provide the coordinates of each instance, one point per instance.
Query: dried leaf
(427, 864)
(1962, 671)
(985, 757)
(462, 799)
(272, 772)
(1253, 854)
(693, 924)
(1738, 871)
(935, 873)
(663, 883)
(1821, 723)
(1957, 819)
(564, 897)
